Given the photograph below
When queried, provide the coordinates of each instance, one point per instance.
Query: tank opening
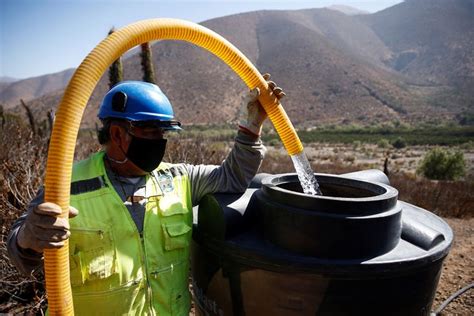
(337, 190)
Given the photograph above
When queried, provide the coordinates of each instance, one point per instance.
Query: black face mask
(146, 154)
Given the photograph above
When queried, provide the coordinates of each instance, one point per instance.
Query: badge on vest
(165, 181)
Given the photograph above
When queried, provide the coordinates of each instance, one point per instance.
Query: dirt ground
(458, 269)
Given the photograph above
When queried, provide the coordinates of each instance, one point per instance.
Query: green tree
(147, 63)
(440, 164)
(116, 69)
(466, 118)
(399, 143)
(383, 143)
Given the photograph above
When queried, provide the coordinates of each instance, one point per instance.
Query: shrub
(440, 164)
(468, 146)
(466, 118)
(399, 143)
(383, 143)
(349, 158)
(356, 144)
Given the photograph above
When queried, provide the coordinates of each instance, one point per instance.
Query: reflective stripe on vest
(114, 270)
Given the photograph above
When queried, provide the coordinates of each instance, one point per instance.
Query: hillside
(5, 79)
(32, 88)
(431, 40)
(333, 67)
(305, 51)
(347, 9)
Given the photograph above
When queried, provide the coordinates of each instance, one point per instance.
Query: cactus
(31, 118)
(147, 63)
(116, 69)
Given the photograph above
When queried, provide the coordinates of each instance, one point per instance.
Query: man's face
(139, 141)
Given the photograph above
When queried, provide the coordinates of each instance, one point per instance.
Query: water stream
(305, 174)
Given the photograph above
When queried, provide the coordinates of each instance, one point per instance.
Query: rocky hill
(5, 79)
(347, 9)
(32, 88)
(430, 40)
(411, 62)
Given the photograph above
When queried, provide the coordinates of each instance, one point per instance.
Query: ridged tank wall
(356, 250)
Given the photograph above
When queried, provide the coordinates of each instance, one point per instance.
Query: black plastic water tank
(357, 250)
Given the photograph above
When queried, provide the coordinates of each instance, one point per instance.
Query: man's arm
(242, 163)
(235, 172)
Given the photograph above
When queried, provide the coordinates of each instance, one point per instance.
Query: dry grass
(22, 167)
(444, 198)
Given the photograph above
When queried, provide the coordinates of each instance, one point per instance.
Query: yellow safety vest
(114, 269)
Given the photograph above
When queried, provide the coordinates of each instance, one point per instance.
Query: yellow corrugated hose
(71, 108)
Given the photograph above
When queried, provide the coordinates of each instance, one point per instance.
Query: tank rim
(274, 182)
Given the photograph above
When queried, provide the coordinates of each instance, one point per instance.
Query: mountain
(348, 10)
(32, 88)
(334, 67)
(431, 40)
(5, 79)
(306, 53)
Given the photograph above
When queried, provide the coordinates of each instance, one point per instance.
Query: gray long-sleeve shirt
(233, 176)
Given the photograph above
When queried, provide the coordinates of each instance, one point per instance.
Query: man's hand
(43, 230)
(256, 115)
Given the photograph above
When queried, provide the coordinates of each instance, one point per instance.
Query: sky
(39, 37)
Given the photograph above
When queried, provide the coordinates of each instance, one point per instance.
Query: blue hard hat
(138, 101)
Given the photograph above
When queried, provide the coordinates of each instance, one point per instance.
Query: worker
(131, 214)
